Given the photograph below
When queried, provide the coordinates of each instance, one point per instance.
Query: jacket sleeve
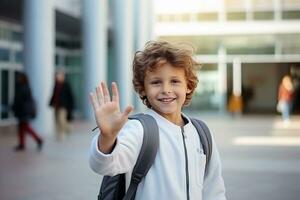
(213, 186)
(124, 155)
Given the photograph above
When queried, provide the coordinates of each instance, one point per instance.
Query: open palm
(107, 112)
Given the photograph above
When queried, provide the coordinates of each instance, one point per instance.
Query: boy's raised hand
(108, 116)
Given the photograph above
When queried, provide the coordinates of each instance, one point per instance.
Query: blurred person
(24, 110)
(295, 74)
(165, 79)
(285, 98)
(63, 103)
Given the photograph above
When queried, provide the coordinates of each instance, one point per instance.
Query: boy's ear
(188, 91)
(143, 93)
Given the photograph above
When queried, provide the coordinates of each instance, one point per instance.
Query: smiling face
(166, 89)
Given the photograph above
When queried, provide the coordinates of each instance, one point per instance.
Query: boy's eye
(155, 82)
(175, 81)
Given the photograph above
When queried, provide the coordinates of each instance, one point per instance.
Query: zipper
(186, 165)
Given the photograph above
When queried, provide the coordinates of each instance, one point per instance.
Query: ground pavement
(260, 156)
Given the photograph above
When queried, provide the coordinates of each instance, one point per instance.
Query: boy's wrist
(106, 144)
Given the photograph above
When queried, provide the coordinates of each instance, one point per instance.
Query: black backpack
(113, 187)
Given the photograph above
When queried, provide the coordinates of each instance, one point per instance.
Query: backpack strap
(147, 153)
(205, 139)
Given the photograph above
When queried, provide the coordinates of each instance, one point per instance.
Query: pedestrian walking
(164, 76)
(63, 103)
(24, 109)
(285, 98)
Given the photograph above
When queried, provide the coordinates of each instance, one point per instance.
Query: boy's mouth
(166, 100)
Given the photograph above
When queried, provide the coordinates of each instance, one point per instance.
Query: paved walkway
(59, 172)
(260, 158)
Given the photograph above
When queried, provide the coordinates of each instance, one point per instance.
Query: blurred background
(245, 47)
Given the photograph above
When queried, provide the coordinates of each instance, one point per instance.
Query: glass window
(211, 16)
(160, 18)
(165, 18)
(292, 14)
(16, 36)
(206, 95)
(75, 80)
(68, 44)
(207, 48)
(4, 54)
(5, 34)
(56, 59)
(19, 56)
(251, 50)
(4, 95)
(172, 18)
(267, 15)
(201, 44)
(290, 49)
(264, 44)
(185, 17)
(290, 43)
(73, 61)
(236, 16)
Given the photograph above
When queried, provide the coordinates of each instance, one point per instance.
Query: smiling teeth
(166, 100)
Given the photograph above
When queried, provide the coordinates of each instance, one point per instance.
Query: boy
(165, 78)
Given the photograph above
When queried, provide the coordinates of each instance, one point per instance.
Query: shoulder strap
(205, 139)
(147, 154)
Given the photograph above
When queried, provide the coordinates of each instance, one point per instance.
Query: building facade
(90, 40)
(245, 46)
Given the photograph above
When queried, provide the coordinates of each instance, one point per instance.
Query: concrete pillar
(141, 23)
(235, 104)
(222, 73)
(278, 48)
(122, 14)
(38, 24)
(142, 34)
(151, 19)
(222, 11)
(237, 77)
(249, 10)
(95, 44)
(277, 10)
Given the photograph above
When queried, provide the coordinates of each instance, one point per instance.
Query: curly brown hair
(157, 53)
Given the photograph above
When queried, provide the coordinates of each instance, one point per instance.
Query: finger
(127, 111)
(115, 92)
(105, 92)
(94, 101)
(99, 93)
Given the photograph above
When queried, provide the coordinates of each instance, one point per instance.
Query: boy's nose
(167, 88)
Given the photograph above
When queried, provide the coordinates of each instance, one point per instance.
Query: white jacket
(166, 178)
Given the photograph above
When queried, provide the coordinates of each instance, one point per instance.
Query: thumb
(127, 111)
